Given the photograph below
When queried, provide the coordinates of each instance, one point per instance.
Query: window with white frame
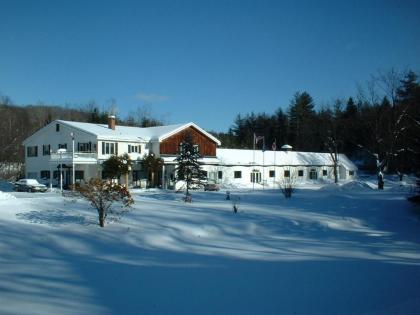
(110, 148)
(255, 176)
(313, 174)
(134, 148)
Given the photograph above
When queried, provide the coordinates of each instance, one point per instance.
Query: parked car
(30, 185)
(211, 187)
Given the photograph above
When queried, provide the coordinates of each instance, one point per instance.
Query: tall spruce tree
(301, 121)
(188, 168)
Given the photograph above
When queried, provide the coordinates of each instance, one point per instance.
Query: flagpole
(275, 149)
(263, 161)
(253, 161)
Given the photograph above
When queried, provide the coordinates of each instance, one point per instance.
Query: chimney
(111, 122)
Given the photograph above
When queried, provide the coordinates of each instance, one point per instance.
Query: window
(220, 175)
(255, 176)
(32, 151)
(313, 174)
(57, 127)
(300, 173)
(351, 173)
(84, 147)
(46, 148)
(324, 172)
(286, 173)
(134, 148)
(56, 174)
(45, 174)
(62, 146)
(110, 148)
(237, 174)
(272, 173)
(80, 175)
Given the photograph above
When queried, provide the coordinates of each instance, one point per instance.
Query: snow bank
(5, 196)
(349, 186)
(355, 186)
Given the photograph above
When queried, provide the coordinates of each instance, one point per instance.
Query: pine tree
(188, 168)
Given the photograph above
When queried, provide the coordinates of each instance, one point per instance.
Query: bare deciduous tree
(102, 194)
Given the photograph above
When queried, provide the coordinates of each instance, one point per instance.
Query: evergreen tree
(301, 121)
(188, 168)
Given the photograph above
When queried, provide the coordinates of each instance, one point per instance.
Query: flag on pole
(258, 138)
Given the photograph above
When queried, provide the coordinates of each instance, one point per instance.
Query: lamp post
(72, 162)
(60, 152)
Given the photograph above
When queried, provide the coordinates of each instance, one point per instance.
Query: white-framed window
(46, 149)
(313, 174)
(110, 148)
(134, 148)
(255, 176)
(324, 173)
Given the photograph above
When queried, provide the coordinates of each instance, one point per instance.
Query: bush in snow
(288, 182)
(102, 194)
(235, 203)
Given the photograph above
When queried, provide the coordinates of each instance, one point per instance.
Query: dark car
(211, 187)
(30, 185)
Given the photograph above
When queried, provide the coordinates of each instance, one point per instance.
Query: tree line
(19, 122)
(380, 125)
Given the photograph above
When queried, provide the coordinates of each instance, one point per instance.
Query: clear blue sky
(201, 61)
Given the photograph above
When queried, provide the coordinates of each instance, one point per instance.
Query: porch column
(51, 176)
(163, 176)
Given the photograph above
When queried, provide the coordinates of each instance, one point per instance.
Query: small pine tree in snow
(188, 168)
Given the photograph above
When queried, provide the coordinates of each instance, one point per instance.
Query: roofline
(190, 124)
(64, 122)
(54, 122)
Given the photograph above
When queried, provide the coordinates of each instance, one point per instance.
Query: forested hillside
(383, 119)
(19, 122)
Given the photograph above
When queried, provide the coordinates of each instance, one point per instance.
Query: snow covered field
(327, 250)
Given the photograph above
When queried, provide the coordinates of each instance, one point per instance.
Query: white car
(30, 185)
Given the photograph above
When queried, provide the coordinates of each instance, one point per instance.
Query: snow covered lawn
(351, 250)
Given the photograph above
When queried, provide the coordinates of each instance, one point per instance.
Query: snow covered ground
(327, 250)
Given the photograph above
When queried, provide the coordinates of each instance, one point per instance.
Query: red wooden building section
(206, 145)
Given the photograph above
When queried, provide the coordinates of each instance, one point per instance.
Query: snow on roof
(280, 158)
(133, 133)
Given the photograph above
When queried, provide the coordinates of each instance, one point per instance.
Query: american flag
(258, 138)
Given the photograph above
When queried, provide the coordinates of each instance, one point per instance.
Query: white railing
(65, 156)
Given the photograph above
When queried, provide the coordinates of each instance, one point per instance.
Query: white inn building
(83, 147)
